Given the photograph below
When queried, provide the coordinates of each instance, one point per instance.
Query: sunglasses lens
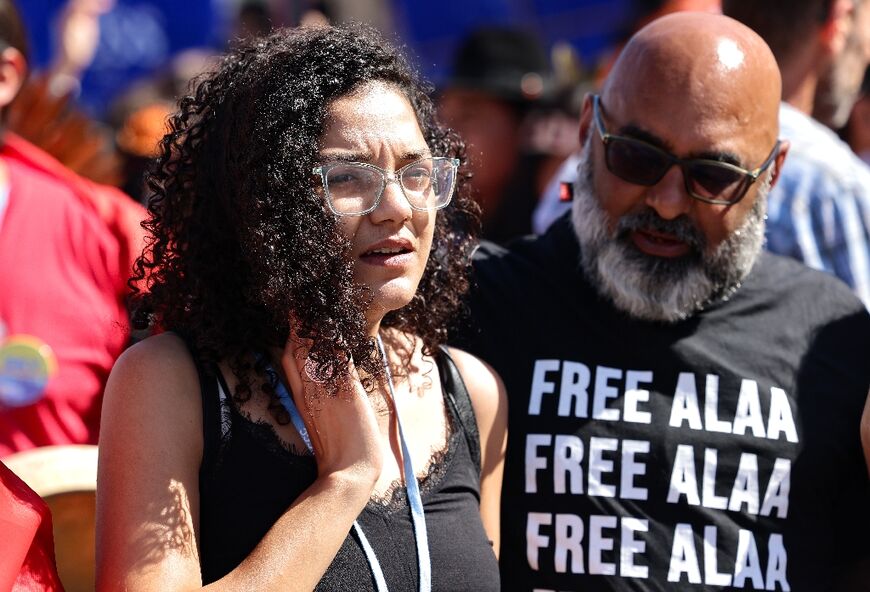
(712, 182)
(635, 162)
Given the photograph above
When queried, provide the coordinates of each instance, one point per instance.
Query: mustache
(682, 228)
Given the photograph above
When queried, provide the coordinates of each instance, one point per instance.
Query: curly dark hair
(239, 238)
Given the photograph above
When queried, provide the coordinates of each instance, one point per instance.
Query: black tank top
(248, 480)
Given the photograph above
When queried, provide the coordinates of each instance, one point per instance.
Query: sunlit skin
(377, 125)
(709, 94)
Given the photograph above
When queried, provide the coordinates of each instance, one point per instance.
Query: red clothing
(66, 246)
(27, 562)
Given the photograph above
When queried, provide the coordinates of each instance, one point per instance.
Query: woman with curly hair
(300, 425)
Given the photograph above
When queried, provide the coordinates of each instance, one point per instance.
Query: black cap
(507, 63)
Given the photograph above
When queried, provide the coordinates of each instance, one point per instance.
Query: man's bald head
(688, 116)
(700, 63)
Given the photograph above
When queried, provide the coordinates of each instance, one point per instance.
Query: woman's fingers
(342, 425)
(293, 360)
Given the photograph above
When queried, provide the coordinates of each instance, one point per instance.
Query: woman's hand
(343, 429)
(151, 452)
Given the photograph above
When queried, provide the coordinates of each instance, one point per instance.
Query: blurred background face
(499, 75)
(491, 130)
(857, 131)
(839, 87)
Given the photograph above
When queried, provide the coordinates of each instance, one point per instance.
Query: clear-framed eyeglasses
(356, 188)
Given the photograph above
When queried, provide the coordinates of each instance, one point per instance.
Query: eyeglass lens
(427, 185)
(642, 164)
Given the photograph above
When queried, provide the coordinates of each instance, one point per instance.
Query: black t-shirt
(719, 452)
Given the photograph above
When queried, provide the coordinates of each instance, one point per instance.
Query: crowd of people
(327, 352)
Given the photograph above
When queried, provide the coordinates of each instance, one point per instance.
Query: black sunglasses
(706, 180)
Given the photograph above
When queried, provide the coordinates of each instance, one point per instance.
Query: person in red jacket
(27, 563)
(66, 247)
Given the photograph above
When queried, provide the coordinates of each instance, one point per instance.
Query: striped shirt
(819, 211)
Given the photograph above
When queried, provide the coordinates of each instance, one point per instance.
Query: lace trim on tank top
(394, 498)
(260, 430)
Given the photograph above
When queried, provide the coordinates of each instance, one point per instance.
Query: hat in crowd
(510, 64)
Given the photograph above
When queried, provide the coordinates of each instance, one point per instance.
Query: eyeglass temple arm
(599, 122)
(770, 158)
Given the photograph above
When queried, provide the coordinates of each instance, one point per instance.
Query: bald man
(685, 408)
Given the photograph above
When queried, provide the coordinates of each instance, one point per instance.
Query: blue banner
(136, 38)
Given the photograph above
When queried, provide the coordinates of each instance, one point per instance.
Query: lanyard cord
(414, 500)
(413, 488)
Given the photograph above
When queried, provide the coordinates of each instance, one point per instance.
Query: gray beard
(657, 288)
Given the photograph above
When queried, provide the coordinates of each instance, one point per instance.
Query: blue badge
(26, 365)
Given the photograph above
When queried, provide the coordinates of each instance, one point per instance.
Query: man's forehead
(700, 35)
(699, 55)
(713, 68)
(716, 98)
(689, 128)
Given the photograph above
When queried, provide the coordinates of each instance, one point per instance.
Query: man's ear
(779, 161)
(837, 27)
(585, 119)
(13, 72)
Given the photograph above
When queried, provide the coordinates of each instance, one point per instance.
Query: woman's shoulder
(489, 400)
(154, 377)
(483, 383)
(165, 355)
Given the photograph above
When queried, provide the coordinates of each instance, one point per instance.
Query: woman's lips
(387, 259)
(659, 244)
(389, 253)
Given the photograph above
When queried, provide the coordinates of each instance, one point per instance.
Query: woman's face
(390, 245)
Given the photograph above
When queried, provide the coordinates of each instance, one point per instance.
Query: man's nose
(668, 197)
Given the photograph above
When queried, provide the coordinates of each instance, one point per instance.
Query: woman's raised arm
(148, 483)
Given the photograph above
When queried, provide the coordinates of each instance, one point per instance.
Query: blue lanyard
(411, 485)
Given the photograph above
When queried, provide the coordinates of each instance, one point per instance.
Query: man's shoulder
(529, 256)
(808, 294)
(35, 166)
(52, 188)
(34, 171)
(39, 199)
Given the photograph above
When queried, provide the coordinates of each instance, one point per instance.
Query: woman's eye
(417, 172)
(344, 177)
(417, 177)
